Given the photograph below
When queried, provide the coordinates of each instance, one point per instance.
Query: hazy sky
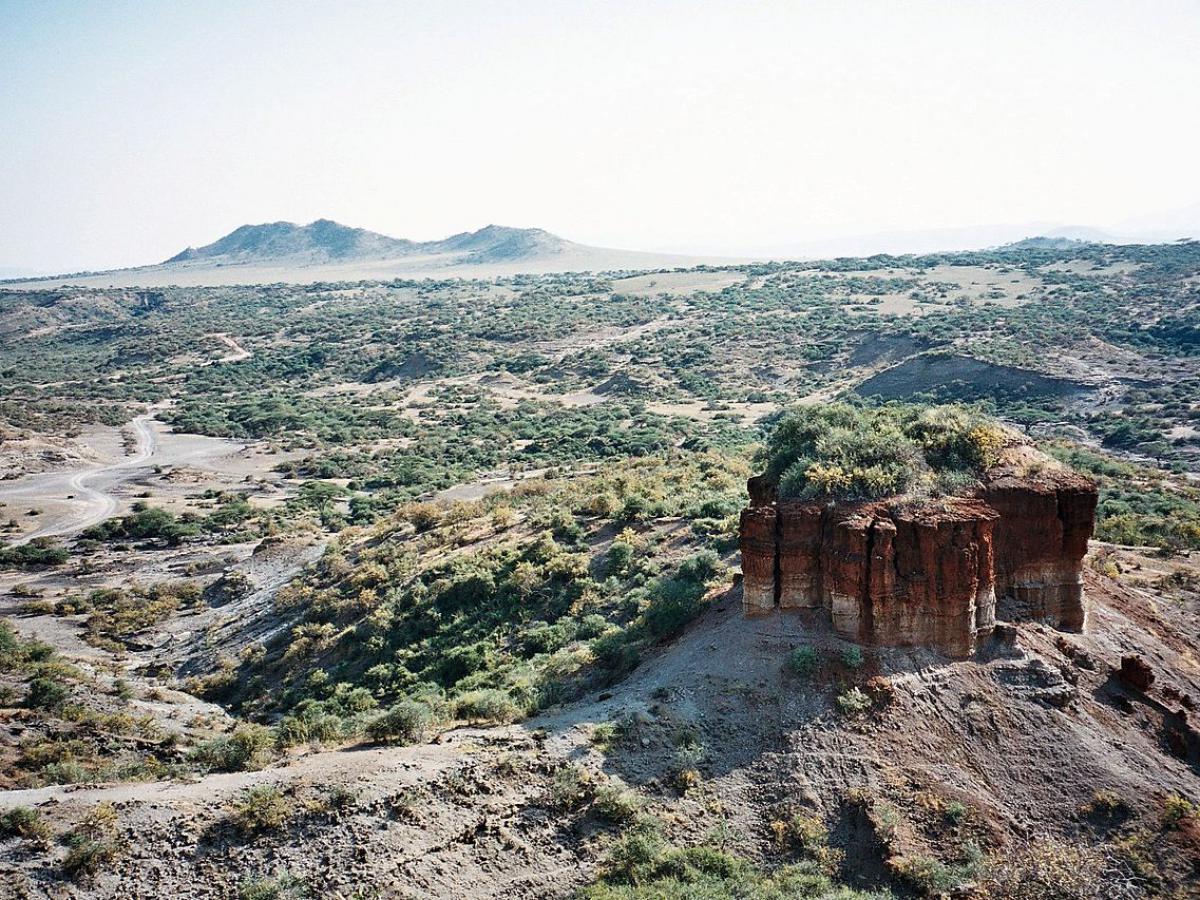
(129, 130)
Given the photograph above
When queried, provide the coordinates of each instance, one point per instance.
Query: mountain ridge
(325, 250)
(325, 240)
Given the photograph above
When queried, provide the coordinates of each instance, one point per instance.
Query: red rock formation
(844, 560)
(925, 574)
(1041, 538)
(758, 544)
(801, 536)
(940, 590)
(893, 575)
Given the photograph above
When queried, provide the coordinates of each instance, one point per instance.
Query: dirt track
(85, 492)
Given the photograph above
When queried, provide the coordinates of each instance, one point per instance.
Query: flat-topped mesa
(928, 573)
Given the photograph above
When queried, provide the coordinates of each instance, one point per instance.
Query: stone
(1136, 673)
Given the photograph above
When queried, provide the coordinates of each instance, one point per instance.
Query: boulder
(1136, 673)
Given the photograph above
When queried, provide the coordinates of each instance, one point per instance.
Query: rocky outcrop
(1041, 539)
(1136, 672)
(934, 573)
(758, 559)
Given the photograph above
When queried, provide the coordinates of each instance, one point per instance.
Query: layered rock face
(924, 574)
(1041, 539)
(758, 559)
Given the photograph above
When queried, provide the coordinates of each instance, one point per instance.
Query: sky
(129, 130)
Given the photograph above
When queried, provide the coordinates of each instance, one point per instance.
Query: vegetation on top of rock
(856, 453)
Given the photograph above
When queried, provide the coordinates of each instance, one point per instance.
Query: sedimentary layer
(935, 573)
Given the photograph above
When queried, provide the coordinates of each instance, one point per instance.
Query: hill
(325, 250)
(320, 240)
(326, 241)
(1044, 242)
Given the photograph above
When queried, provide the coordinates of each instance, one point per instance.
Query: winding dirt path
(236, 351)
(87, 490)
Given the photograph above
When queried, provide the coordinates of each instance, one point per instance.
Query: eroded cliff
(932, 573)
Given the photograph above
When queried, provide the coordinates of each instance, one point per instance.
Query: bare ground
(1024, 736)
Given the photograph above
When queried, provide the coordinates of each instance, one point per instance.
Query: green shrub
(700, 567)
(632, 858)
(11, 654)
(247, 749)
(38, 553)
(403, 723)
(805, 833)
(570, 788)
(1178, 810)
(804, 661)
(853, 702)
(278, 887)
(604, 736)
(327, 729)
(955, 812)
(674, 603)
(64, 771)
(47, 693)
(617, 651)
(837, 450)
(486, 705)
(87, 856)
(642, 866)
(540, 637)
(145, 523)
(935, 878)
(852, 657)
(590, 626)
(23, 822)
(94, 844)
(840, 451)
(290, 731)
(261, 808)
(616, 802)
(618, 559)
(955, 438)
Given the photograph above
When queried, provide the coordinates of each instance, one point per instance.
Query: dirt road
(236, 351)
(86, 493)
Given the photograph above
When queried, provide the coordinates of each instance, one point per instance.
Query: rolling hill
(325, 250)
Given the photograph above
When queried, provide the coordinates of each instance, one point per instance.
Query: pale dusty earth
(103, 471)
(1018, 735)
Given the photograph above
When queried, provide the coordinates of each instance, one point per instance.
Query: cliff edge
(931, 572)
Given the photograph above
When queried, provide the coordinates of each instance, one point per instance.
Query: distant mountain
(328, 251)
(497, 242)
(325, 241)
(1150, 229)
(276, 240)
(1045, 242)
